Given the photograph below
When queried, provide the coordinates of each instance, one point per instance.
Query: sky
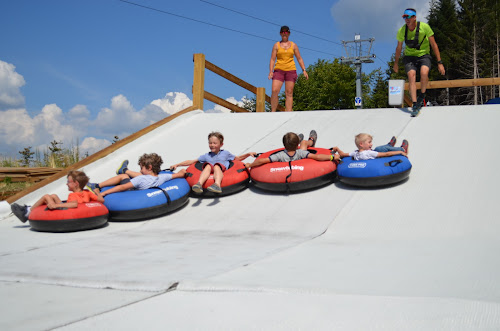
(84, 71)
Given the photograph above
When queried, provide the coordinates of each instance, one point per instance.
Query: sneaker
(123, 168)
(197, 188)
(92, 186)
(393, 141)
(20, 211)
(313, 136)
(301, 137)
(405, 145)
(214, 188)
(87, 187)
(420, 99)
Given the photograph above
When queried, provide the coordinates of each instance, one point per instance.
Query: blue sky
(93, 69)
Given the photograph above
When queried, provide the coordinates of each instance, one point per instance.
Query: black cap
(284, 28)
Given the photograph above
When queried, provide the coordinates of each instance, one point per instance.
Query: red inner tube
(234, 175)
(302, 170)
(83, 210)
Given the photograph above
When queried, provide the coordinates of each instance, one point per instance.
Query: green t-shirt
(425, 32)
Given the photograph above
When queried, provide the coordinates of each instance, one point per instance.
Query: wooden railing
(453, 84)
(199, 93)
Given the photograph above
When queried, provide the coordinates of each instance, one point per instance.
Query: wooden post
(198, 80)
(260, 104)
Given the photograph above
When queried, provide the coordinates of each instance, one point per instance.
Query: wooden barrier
(200, 64)
(22, 174)
(452, 84)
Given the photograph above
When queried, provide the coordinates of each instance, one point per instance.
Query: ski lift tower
(356, 56)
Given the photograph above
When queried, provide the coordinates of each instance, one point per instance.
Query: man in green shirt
(418, 37)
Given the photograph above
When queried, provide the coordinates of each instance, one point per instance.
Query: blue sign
(357, 101)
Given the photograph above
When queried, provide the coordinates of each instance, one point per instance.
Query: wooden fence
(199, 93)
(22, 174)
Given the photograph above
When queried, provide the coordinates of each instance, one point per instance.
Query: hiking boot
(20, 211)
(123, 168)
(393, 141)
(214, 188)
(313, 136)
(420, 100)
(405, 145)
(197, 188)
(301, 137)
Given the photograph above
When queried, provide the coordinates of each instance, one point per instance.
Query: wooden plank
(230, 77)
(198, 80)
(215, 99)
(260, 101)
(459, 83)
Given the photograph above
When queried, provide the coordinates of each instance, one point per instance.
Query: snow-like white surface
(418, 255)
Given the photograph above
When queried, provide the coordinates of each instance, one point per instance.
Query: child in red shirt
(76, 182)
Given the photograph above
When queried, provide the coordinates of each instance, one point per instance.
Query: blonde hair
(361, 138)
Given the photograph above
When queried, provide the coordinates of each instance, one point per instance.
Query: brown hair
(291, 141)
(154, 160)
(216, 134)
(361, 137)
(80, 177)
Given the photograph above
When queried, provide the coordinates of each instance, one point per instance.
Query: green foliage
(27, 156)
(331, 85)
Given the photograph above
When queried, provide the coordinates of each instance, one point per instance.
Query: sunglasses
(407, 16)
(285, 32)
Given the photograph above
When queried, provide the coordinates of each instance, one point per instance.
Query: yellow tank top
(285, 58)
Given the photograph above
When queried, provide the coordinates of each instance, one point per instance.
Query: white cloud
(379, 19)
(220, 109)
(10, 84)
(173, 102)
(91, 145)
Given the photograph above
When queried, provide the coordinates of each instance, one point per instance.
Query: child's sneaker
(313, 136)
(123, 168)
(197, 188)
(87, 187)
(405, 145)
(20, 211)
(301, 137)
(214, 188)
(393, 141)
(92, 186)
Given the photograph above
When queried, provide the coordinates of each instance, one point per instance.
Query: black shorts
(415, 62)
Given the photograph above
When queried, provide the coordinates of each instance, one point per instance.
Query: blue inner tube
(135, 205)
(375, 172)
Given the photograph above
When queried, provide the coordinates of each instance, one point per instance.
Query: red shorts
(288, 76)
(212, 171)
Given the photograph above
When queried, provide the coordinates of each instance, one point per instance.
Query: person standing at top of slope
(418, 37)
(282, 69)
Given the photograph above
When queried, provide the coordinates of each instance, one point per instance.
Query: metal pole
(359, 93)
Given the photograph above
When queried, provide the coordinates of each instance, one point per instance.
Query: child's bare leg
(46, 199)
(205, 174)
(305, 144)
(218, 175)
(114, 180)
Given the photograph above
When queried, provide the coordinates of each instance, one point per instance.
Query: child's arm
(341, 153)
(118, 188)
(258, 162)
(244, 156)
(100, 197)
(323, 157)
(386, 154)
(180, 174)
(183, 164)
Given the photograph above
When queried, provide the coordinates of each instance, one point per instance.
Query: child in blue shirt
(214, 162)
(148, 177)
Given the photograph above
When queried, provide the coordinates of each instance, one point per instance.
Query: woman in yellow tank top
(282, 69)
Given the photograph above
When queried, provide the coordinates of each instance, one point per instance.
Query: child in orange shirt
(76, 181)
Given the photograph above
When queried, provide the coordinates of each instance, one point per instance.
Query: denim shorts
(415, 62)
(282, 76)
